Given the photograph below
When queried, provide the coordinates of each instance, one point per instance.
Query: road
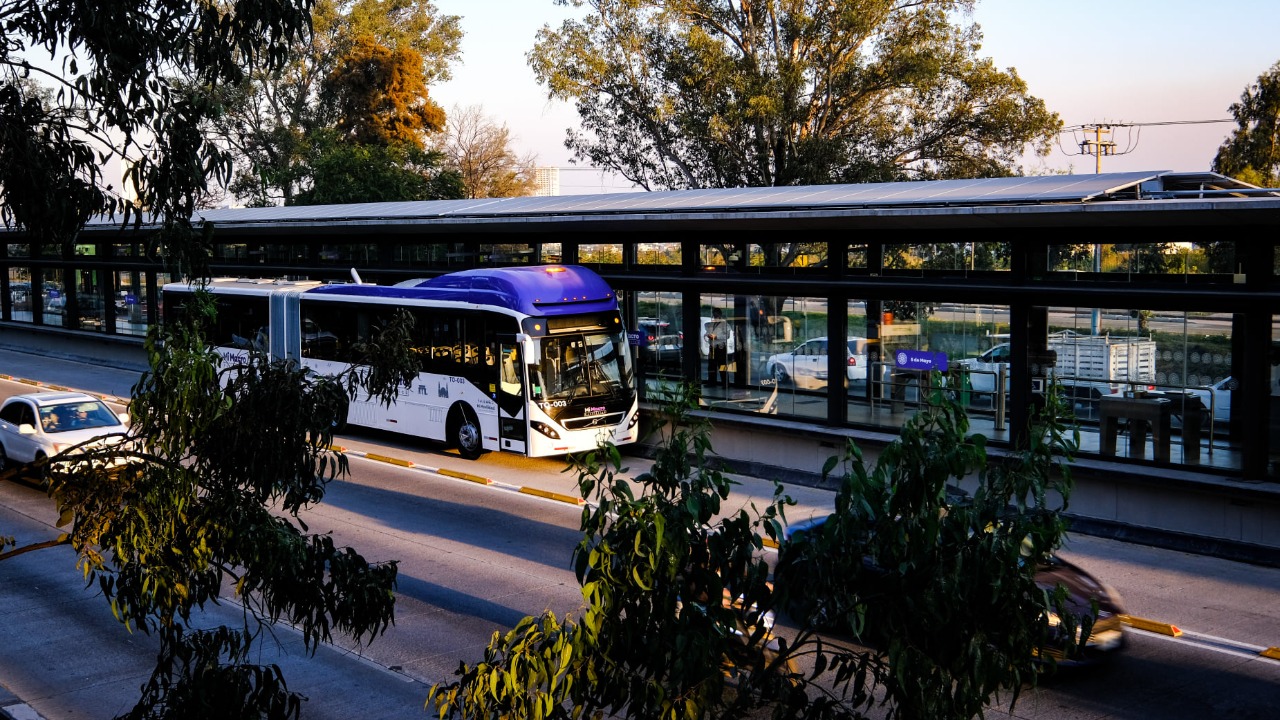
(475, 558)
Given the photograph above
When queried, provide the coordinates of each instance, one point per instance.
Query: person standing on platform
(717, 345)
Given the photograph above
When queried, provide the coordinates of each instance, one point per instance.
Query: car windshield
(76, 416)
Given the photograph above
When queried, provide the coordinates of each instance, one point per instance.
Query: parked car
(806, 365)
(1083, 589)
(1219, 394)
(663, 351)
(650, 329)
(41, 425)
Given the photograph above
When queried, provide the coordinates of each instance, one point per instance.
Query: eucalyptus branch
(9, 555)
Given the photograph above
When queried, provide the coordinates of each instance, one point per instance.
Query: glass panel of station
(90, 307)
(21, 294)
(660, 254)
(131, 302)
(657, 338)
(1273, 467)
(776, 354)
(53, 297)
(909, 341)
(600, 255)
(1149, 385)
(1191, 263)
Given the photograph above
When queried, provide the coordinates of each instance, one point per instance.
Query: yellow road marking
(1151, 625)
(464, 476)
(391, 460)
(551, 495)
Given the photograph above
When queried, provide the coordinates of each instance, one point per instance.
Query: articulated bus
(532, 360)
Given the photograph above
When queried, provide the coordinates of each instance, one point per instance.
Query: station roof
(1057, 200)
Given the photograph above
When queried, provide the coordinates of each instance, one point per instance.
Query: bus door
(512, 396)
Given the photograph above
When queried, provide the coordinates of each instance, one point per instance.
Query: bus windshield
(591, 365)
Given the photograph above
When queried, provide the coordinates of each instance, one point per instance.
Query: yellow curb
(551, 495)
(58, 387)
(393, 461)
(770, 543)
(337, 448)
(27, 382)
(1151, 626)
(1271, 652)
(464, 476)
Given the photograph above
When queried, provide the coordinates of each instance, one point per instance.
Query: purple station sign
(920, 360)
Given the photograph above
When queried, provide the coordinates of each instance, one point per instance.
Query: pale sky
(1092, 62)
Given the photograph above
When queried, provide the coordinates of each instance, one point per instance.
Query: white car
(1219, 394)
(43, 424)
(806, 365)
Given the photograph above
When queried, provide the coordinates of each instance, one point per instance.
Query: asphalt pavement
(48, 608)
(63, 654)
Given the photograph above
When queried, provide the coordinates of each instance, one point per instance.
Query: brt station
(1150, 299)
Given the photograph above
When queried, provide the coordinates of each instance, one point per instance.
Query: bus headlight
(545, 429)
(634, 419)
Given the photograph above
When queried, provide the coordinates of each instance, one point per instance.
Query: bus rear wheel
(464, 432)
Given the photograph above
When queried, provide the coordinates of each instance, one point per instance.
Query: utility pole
(1096, 146)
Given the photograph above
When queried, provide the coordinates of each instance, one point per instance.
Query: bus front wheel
(464, 431)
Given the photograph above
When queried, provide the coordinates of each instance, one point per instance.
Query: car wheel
(41, 465)
(780, 375)
(465, 432)
(4, 458)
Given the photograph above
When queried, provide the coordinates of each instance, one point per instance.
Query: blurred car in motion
(38, 426)
(1083, 590)
(806, 365)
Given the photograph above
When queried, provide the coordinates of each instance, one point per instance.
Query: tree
(350, 173)
(1252, 153)
(481, 152)
(962, 615)
(269, 118)
(376, 151)
(700, 93)
(380, 96)
(116, 101)
(206, 486)
(204, 493)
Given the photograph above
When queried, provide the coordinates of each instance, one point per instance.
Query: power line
(1095, 139)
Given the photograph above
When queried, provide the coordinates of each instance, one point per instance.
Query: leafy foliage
(941, 585)
(380, 96)
(940, 593)
(341, 172)
(203, 496)
(655, 640)
(113, 67)
(1252, 153)
(701, 93)
(280, 125)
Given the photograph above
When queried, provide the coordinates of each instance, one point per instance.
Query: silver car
(41, 425)
(806, 365)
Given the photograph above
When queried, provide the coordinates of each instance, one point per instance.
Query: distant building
(546, 181)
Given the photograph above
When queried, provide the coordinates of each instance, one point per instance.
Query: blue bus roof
(532, 290)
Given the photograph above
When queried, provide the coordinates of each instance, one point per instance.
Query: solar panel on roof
(813, 198)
